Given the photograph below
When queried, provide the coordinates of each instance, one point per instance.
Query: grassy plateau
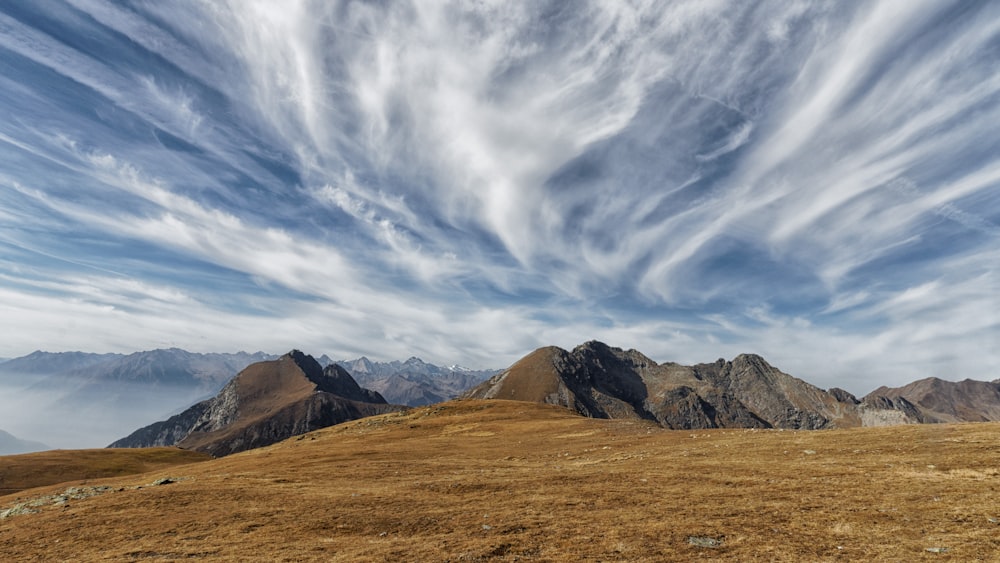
(513, 481)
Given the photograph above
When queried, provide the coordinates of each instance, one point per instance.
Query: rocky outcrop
(266, 403)
(600, 381)
(879, 410)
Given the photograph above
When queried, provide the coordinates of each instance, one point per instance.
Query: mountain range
(265, 403)
(171, 367)
(414, 382)
(600, 381)
(78, 398)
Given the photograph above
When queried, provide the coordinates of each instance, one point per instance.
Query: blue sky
(816, 182)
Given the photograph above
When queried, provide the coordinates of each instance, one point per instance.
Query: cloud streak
(813, 182)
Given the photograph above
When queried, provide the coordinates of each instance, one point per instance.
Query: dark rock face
(683, 408)
(266, 403)
(843, 396)
(780, 399)
(600, 381)
(336, 380)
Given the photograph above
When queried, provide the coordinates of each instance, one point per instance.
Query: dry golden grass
(26, 471)
(476, 480)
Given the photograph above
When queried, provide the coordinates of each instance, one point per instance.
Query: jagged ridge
(600, 381)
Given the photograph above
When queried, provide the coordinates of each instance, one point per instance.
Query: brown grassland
(505, 481)
(26, 471)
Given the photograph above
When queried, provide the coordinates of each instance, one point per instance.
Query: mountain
(39, 362)
(414, 382)
(10, 444)
(599, 381)
(171, 367)
(949, 401)
(265, 403)
(162, 367)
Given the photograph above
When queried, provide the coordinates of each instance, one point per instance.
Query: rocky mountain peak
(593, 345)
(751, 361)
(307, 364)
(363, 364)
(599, 352)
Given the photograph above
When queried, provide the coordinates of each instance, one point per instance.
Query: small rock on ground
(704, 541)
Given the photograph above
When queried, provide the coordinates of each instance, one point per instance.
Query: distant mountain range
(600, 381)
(414, 382)
(265, 403)
(163, 367)
(40, 362)
(10, 444)
(73, 399)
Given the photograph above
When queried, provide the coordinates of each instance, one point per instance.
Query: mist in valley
(50, 410)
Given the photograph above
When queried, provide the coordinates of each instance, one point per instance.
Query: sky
(816, 182)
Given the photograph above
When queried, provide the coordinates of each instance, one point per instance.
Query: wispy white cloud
(815, 182)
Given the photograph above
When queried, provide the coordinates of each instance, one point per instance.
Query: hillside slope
(27, 471)
(506, 480)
